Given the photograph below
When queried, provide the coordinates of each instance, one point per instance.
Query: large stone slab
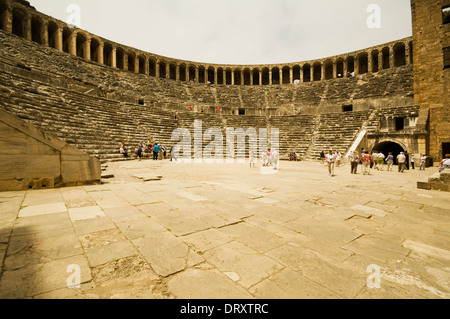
(165, 253)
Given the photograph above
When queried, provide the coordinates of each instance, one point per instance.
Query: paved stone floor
(228, 231)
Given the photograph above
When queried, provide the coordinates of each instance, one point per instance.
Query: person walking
(423, 160)
(401, 161)
(252, 160)
(380, 161)
(389, 161)
(366, 161)
(155, 152)
(353, 162)
(331, 159)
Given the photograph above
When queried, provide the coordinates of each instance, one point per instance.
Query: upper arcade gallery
(28, 23)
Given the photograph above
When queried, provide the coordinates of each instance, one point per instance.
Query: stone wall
(32, 158)
(431, 78)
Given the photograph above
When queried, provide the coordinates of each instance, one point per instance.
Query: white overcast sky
(239, 31)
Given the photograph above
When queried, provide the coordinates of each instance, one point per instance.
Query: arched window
(81, 45)
(95, 47)
(307, 73)
(152, 66)
(399, 54)
(255, 74)
(211, 75)
(296, 72)
(162, 70)
(228, 77)
(52, 29)
(286, 75)
(340, 68)
(172, 71)
(374, 56)
(350, 65)
(275, 75)
(201, 74)
(141, 64)
(265, 76)
(18, 27)
(328, 65)
(182, 71)
(37, 30)
(385, 54)
(119, 58)
(317, 71)
(247, 77)
(363, 62)
(237, 77)
(220, 79)
(108, 54)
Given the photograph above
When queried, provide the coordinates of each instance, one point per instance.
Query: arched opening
(399, 54)
(220, 76)
(52, 29)
(141, 64)
(36, 30)
(162, 70)
(182, 72)
(247, 77)
(3, 10)
(191, 74)
(363, 62)
(66, 38)
(389, 146)
(328, 65)
(255, 74)
(95, 45)
(317, 71)
(119, 58)
(265, 76)
(275, 75)
(228, 73)
(237, 77)
(350, 65)
(296, 73)
(306, 73)
(340, 68)
(108, 54)
(172, 71)
(18, 21)
(211, 74)
(131, 61)
(385, 53)
(81, 45)
(286, 78)
(374, 57)
(152, 66)
(201, 74)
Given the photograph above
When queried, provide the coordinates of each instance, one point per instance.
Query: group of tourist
(269, 158)
(158, 151)
(378, 160)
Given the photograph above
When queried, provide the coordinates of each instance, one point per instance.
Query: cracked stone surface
(228, 231)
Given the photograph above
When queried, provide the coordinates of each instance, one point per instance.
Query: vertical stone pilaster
(87, 49)
(100, 53)
(27, 27)
(73, 44)
(114, 57)
(59, 39)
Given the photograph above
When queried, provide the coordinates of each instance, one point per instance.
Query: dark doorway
(445, 149)
(386, 147)
(399, 123)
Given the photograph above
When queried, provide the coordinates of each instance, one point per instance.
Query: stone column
(369, 63)
(301, 74)
(291, 75)
(87, 49)
(270, 76)
(168, 70)
(323, 71)
(157, 69)
(27, 27)
(260, 77)
(100, 54)
(197, 78)
(125, 61)
(59, 39)
(311, 73)
(345, 71)
(114, 57)
(391, 56)
(242, 78)
(232, 77)
(407, 54)
(334, 69)
(44, 33)
(215, 76)
(177, 73)
(7, 20)
(380, 60)
(356, 65)
(73, 44)
(136, 64)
